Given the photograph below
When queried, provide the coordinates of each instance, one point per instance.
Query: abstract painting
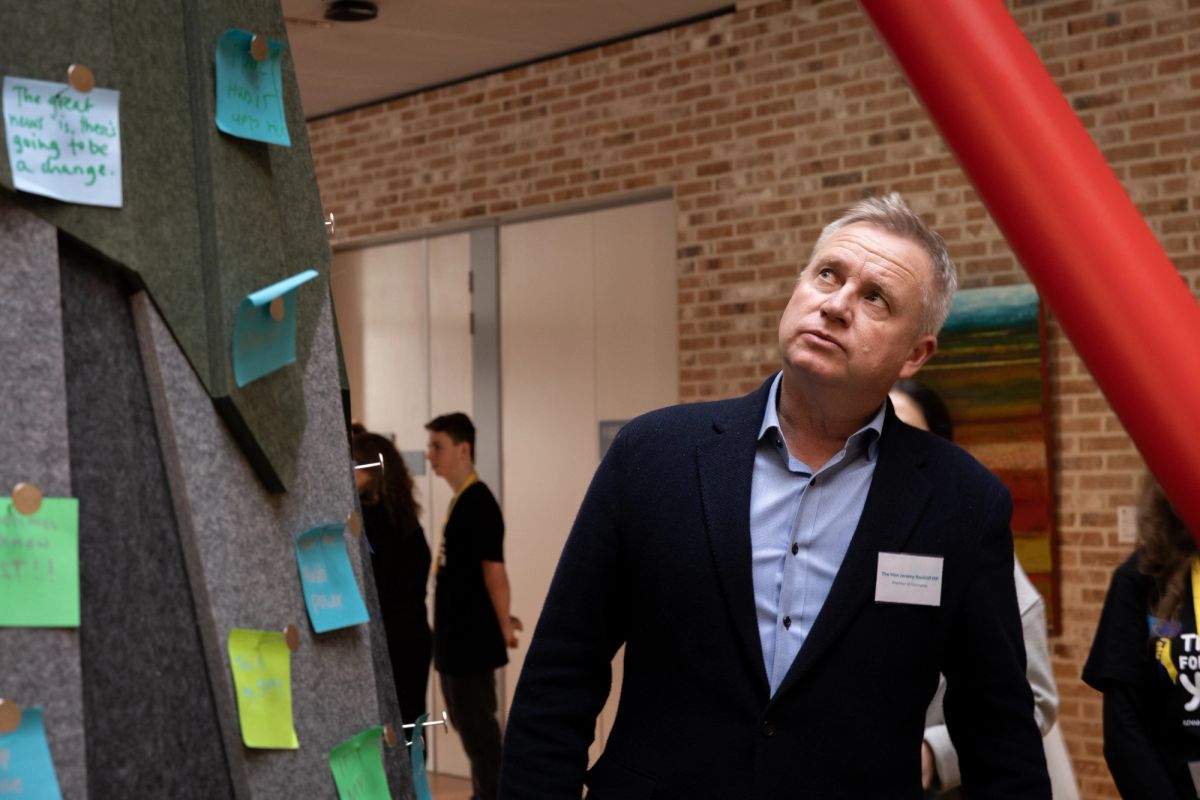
(990, 369)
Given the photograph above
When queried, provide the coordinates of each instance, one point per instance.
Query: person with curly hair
(1146, 659)
(400, 560)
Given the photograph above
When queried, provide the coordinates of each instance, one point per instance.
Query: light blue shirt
(801, 524)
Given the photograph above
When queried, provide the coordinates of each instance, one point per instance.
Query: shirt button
(768, 729)
(795, 548)
(787, 622)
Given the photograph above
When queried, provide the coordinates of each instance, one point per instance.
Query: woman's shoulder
(1129, 571)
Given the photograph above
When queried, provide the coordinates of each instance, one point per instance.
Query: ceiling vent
(351, 10)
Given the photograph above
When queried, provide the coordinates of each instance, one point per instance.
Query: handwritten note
(417, 755)
(26, 769)
(39, 565)
(249, 92)
(330, 591)
(357, 766)
(262, 678)
(262, 344)
(63, 144)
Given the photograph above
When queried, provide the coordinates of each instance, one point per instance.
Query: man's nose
(837, 306)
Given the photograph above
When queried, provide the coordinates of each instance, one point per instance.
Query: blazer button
(768, 729)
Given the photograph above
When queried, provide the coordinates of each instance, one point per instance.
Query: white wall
(404, 316)
(588, 325)
(587, 333)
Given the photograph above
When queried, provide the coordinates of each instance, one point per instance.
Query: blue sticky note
(417, 752)
(249, 92)
(330, 592)
(26, 769)
(261, 344)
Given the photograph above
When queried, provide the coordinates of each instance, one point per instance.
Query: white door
(587, 335)
(587, 327)
(404, 316)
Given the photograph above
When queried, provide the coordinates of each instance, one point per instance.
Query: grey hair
(891, 213)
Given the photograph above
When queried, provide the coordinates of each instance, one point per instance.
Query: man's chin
(815, 371)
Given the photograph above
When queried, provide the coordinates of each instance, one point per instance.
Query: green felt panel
(208, 218)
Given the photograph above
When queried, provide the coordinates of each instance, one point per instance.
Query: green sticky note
(357, 766)
(39, 564)
(262, 679)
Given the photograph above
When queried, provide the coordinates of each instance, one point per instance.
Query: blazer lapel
(895, 501)
(725, 464)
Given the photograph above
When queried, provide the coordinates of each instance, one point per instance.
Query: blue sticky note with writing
(417, 752)
(26, 769)
(262, 344)
(330, 592)
(249, 92)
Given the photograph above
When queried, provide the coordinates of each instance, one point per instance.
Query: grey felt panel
(38, 666)
(208, 218)
(152, 726)
(241, 564)
(395, 761)
(267, 209)
(136, 47)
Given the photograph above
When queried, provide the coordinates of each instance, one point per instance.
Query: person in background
(400, 560)
(471, 621)
(1144, 659)
(921, 407)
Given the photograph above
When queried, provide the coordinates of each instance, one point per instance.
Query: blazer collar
(725, 463)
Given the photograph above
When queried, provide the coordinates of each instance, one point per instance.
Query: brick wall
(766, 123)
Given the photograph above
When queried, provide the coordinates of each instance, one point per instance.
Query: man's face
(445, 457)
(854, 318)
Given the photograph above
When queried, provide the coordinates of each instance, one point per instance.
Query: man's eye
(875, 298)
(825, 274)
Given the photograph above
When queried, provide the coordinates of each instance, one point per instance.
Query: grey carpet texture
(152, 728)
(207, 217)
(38, 666)
(237, 544)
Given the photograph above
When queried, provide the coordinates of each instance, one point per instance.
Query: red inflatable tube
(1067, 218)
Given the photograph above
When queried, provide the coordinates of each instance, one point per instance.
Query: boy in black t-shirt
(471, 622)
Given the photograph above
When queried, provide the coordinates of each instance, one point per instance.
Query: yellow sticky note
(262, 679)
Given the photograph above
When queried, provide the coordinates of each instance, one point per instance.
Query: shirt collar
(866, 437)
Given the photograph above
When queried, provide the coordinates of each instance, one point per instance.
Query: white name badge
(915, 580)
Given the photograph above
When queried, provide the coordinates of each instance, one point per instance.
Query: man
(471, 623)
(789, 572)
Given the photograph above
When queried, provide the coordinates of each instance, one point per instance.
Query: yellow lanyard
(441, 550)
(1162, 648)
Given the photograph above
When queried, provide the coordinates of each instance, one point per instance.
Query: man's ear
(924, 347)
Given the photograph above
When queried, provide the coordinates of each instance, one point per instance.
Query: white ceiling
(416, 44)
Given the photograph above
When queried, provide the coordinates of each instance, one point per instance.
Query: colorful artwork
(990, 370)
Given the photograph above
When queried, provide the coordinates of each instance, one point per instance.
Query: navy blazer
(659, 559)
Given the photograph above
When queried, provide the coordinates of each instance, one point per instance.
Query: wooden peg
(259, 47)
(354, 523)
(277, 309)
(10, 716)
(389, 735)
(292, 636)
(26, 498)
(330, 228)
(81, 78)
